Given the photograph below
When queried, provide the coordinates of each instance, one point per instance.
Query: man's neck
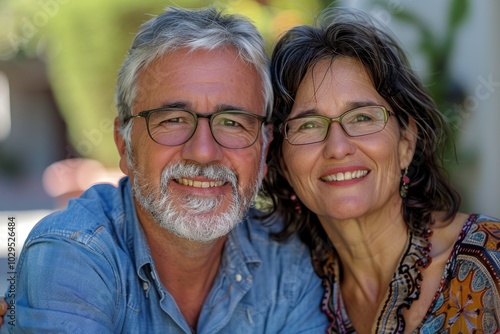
(187, 269)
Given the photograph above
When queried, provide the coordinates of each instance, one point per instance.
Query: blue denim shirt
(88, 269)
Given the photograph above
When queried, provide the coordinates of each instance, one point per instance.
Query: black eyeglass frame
(147, 113)
(338, 119)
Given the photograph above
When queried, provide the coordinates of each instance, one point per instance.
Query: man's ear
(407, 144)
(121, 146)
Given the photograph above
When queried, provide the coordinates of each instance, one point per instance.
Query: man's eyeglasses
(230, 128)
(356, 122)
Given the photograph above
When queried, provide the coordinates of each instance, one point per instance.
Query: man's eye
(228, 122)
(175, 120)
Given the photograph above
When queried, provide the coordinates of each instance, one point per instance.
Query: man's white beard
(192, 217)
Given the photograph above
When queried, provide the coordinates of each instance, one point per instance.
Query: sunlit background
(59, 60)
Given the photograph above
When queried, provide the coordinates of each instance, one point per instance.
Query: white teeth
(345, 176)
(200, 184)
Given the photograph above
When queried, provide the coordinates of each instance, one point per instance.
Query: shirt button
(238, 278)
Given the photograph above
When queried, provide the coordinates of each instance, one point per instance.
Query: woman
(357, 172)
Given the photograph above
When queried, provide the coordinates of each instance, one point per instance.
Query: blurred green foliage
(437, 47)
(84, 43)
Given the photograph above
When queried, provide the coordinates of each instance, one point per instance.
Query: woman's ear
(407, 144)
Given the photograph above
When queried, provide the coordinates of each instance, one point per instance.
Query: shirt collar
(239, 245)
(136, 240)
(239, 252)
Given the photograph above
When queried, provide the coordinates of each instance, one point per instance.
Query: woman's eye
(310, 125)
(362, 118)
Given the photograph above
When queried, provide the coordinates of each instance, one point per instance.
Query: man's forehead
(186, 76)
(195, 58)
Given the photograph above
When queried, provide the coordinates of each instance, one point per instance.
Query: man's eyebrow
(175, 104)
(180, 104)
(225, 107)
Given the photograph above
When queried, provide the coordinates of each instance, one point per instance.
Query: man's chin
(203, 207)
(203, 228)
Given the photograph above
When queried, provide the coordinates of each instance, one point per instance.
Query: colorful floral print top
(468, 299)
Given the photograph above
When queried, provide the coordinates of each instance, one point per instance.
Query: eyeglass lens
(229, 129)
(356, 122)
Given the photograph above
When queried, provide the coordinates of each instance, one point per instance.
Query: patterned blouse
(468, 299)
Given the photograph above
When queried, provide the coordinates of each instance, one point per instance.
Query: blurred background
(59, 60)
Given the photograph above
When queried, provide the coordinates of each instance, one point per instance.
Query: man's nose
(202, 146)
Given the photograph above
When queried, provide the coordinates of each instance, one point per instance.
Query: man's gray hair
(179, 28)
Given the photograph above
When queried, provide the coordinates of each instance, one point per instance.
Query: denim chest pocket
(267, 316)
(248, 320)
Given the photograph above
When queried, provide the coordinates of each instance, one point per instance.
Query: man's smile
(199, 184)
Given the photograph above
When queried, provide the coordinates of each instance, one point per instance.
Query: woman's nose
(338, 143)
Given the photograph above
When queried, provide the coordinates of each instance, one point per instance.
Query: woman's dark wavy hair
(346, 33)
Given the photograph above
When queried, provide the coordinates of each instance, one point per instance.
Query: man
(172, 249)
(3, 310)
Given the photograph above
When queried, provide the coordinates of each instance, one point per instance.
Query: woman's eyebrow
(348, 106)
(358, 104)
(306, 112)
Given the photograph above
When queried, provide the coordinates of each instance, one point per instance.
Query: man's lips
(345, 176)
(200, 184)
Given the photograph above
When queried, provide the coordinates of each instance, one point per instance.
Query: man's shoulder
(96, 209)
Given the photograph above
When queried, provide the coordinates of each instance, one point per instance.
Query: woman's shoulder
(490, 221)
(469, 233)
(481, 233)
(471, 276)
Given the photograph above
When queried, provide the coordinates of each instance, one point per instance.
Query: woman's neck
(369, 250)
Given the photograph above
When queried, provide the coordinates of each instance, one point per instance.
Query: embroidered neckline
(403, 289)
(405, 285)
